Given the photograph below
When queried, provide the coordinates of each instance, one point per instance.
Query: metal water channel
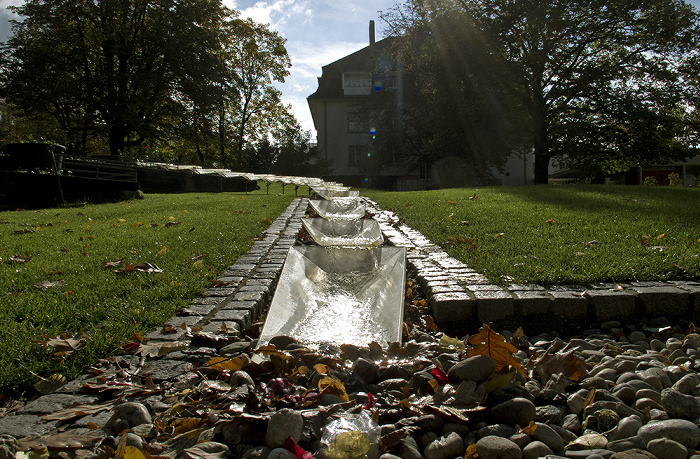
(349, 289)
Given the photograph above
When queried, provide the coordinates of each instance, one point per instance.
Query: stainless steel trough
(362, 232)
(339, 295)
(339, 208)
(330, 192)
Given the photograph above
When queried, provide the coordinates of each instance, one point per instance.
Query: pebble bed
(615, 389)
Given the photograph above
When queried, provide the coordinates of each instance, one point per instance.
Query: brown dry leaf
(333, 386)
(45, 285)
(148, 350)
(51, 384)
(65, 345)
(321, 368)
(224, 364)
(530, 429)
(567, 363)
(172, 223)
(271, 350)
(71, 412)
(62, 441)
(488, 342)
(18, 259)
(589, 399)
(448, 413)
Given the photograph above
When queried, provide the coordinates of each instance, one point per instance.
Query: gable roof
(330, 83)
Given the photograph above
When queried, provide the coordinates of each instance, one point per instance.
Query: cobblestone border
(458, 293)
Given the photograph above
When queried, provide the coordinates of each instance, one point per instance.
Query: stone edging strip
(458, 293)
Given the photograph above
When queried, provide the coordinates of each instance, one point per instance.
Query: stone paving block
(53, 402)
(450, 307)
(569, 304)
(220, 291)
(211, 300)
(172, 329)
(230, 279)
(271, 267)
(243, 317)
(494, 305)
(197, 310)
(693, 289)
(267, 282)
(258, 297)
(471, 279)
(255, 307)
(524, 287)
(165, 369)
(26, 425)
(484, 287)
(611, 304)
(222, 327)
(662, 300)
(264, 289)
(531, 302)
(445, 288)
(265, 275)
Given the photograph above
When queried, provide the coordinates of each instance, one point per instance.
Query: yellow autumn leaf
(488, 342)
(198, 264)
(131, 452)
(321, 368)
(224, 364)
(334, 386)
(121, 220)
(530, 429)
(661, 236)
(162, 251)
(171, 218)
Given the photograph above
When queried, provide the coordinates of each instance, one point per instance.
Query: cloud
(277, 13)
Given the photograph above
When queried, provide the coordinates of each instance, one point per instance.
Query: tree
(115, 67)
(439, 100)
(595, 81)
(253, 57)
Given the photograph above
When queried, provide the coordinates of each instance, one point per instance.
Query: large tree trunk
(541, 168)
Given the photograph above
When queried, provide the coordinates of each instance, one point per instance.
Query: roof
(364, 60)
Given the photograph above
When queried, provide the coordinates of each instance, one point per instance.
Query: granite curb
(458, 293)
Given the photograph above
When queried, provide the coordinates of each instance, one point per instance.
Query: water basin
(339, 295)
(363, 232)
(339, 208)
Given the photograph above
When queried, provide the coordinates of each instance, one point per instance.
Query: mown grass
(191, 237)
(572, 234)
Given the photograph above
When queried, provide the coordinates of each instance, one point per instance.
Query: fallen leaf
(661, 236)
(18, 259)
(488, 342)
(567, 363)
(551, 221)
(224, 364)
(172, 223)
(334, 386)
(61, 441)
(64, 345)
(51, 384)
(77, 411)
(45, 285)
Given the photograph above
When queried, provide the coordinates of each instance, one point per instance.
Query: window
(357, 123)
(357, 84)
(356, 153)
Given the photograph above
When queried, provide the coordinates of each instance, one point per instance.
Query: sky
(318, 32)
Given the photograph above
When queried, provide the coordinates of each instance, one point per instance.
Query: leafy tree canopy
(581, 82)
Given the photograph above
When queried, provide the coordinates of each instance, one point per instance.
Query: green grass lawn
(577, 234)
(192, 238)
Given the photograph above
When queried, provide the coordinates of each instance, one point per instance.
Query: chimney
(371, 32)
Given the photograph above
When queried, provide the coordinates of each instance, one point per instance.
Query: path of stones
(199, 388)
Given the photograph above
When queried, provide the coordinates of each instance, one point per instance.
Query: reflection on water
(337, 312)
(339, 295)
